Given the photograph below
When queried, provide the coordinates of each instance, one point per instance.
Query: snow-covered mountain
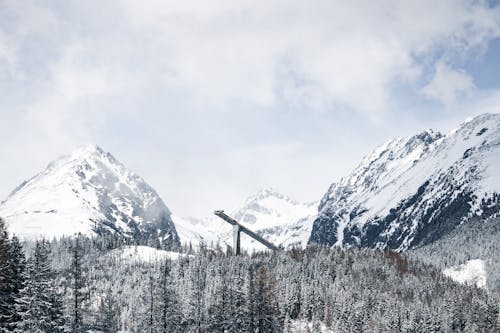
(193, 230)
(412, 191)
(274, 216)
(89, 192)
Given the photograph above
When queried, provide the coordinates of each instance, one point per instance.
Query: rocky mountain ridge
(411, 191)
(89, 192)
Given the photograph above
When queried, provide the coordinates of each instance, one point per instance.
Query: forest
(83, 285)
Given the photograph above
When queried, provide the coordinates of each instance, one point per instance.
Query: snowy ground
(300, 326)
(135, 254)
(472, 272)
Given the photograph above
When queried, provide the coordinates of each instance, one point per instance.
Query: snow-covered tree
(39, 305)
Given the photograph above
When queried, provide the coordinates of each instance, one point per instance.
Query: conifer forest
(83, 285)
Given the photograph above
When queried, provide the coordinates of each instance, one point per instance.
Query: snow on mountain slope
(137, 254)
(272, 215)
(413, 190)
(472, 272)
(88, 192)
(194, 231)
(277, 218)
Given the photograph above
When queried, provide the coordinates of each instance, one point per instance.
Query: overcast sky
(210, 101)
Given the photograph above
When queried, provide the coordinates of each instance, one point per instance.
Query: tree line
(84, 284)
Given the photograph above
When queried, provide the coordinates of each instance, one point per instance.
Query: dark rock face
(412, 192)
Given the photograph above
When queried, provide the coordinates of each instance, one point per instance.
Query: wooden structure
(238, 229)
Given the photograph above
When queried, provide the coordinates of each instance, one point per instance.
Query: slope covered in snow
(88, 192)
(193, 231)
(472, 272)
(141, 253)
(412, 191)
(274, 216)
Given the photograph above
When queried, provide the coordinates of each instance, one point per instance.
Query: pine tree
(108, 315)
(39, 304)
(25, 304)
(266, 310)
(238, 321)
(168, 306)
(151, 303)
(18, 279)
(12, 270)
(77, 325)
(5, 274)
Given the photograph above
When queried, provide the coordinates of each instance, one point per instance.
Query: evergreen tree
(6, 296)
(78, 285)
(12, 278)
(18, 279)
(168, 306)
(39, 304)
(108, 315)
(25, 304)
(266, 310)
(238, 316)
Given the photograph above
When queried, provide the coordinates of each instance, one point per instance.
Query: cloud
(448, 84)
(322, 56)
(65, 112)
(206, 88)
(350, 53)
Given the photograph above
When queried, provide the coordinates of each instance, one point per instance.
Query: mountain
(89, 192)
(274, 216)
(412, 191)
(277, 218)
(194, 230)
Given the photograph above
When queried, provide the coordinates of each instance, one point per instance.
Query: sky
(210, 101)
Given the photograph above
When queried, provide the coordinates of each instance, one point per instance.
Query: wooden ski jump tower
(238, 228)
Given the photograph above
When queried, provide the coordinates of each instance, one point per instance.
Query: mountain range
(412, 191)
(409, 192)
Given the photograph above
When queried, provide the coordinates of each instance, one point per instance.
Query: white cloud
(64, 113)
(351, 51)
(448, 84)
(73, 70)
(347, 54)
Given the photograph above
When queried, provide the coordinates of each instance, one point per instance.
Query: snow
(302, 326)
(75, 193)
(194, 231)
(137, 254)
(472, 272)
(394, 172)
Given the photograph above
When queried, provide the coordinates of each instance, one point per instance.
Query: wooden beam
(241, 228)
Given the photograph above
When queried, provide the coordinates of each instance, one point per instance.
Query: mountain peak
(412, 190)
(266, 193)
(480, 118)
(87, 150)
(88, 191)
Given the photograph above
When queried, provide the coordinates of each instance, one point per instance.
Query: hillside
(89, 192)
(413, 191)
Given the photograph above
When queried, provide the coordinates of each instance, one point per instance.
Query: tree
(6, 295)
(265, 307)
(77, 325)
(19, 273)
(238, 315)
(12, 278)
(169, 318)
(108, 315)
(39, 304)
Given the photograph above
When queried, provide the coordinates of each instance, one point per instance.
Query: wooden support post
(236, 239)
(238, 229)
